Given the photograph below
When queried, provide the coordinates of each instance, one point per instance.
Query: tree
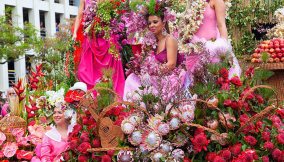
(15, 41)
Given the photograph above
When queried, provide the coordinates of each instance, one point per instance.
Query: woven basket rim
(270, 66)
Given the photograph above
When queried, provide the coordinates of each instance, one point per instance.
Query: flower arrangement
(101, 17)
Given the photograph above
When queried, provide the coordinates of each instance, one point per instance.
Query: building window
(71, 3)
(56, 1)
(58, 19)
(42, 23)
(26, 15)
(9, 14)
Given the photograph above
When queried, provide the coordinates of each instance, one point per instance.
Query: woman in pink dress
(213, 27)
(5, 108)
(96, 56)
(54, 141)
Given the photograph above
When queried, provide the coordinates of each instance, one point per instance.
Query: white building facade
(45, 15)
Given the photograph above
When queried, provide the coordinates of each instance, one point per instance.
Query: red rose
(83, 158)
(224, 73)
(117, 110)
(85, 120)
(265, 159)
(77, 128)
(234, 105)
(259, 99)
(110, 152)
(236, 149)
(210, 156)
(96, 143)
(265, 136)
(280, 138)
(248, 93)
(85, 137)
(73, 144)
(249, 72)
(220, 81)
(219, 159)
(227, 103)
(236, 81)
(186, 159)
(276, 154)
(83, 147)
(225, 86)
(68, 97)
(106, 158)
(268, 145)
(66, 156)
(250, 140)
(280, 112)
(32, 123)
(226, 154)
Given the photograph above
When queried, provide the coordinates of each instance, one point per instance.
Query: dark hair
(162, 18)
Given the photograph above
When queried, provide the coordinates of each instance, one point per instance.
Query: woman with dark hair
(166, 52)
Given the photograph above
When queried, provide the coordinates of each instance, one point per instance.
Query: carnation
(200, 142)
(250, 140)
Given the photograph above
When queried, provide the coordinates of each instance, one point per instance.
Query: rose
(66, 156)
(219, 159)
(31, 123)
(280, 138)
(77, 128)
(227, 103)
(85, 120)
(106, 158)
(210, 156)
(250, 140)
(268, 145)
(83, 147)
(96, 143)
(276, 154)
(236, 149)
(236, 81)
(117, 110)
(73, 144)
(265, 136)
(83, 158)
(224, 73)
(110, 152)
(85, 137)
(226, 154)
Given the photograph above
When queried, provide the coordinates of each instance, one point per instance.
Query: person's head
(11, 92)
(79, 87)
(59, 116)
(156, 24)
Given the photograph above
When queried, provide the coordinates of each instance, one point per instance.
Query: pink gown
(51, 147)
(207, 31)
(95, 57)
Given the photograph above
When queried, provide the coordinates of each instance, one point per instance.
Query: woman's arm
(220, 9)
(78, 18)
(172, 48)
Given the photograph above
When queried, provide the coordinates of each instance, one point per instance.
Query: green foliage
(14, 41)
(245, 16)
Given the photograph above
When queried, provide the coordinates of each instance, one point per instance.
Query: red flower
(226, 154)
(72, 96)
(96, 143)
(280, 138)
(234, 105)
(83, 147)
(220, 81)
(219, 159)
(243, 118)
(83, 158)
(85, 120)
(265, 159)
(249, 72)
(73, 143)
(259, 99)
(248, 93)
(106, 158)
(236, 81)
(66, 156)
(268, 145)
(32, 123)
(276, 154)
(200, 142)
(110, 152)
(236, 149)
(227, 103)
(225, 86)
(117, 110)
(224, 73)
(186, 159)
(85, 137)
(265, 136)
(250, 140)
(24, 155)
(210, 156)
(280, 112)
(77, 128)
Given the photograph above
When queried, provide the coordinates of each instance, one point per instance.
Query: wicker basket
(277, 80)
(10, 122)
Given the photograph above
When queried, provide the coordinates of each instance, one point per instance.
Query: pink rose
(85, 137)
(280, 138)
(250, 140)
(2, 138)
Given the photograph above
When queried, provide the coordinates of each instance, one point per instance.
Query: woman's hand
(74, 37)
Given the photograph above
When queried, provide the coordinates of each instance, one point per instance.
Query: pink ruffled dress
(95, 57)
(51, 147)
(208, 31)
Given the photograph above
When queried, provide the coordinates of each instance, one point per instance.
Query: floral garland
(190, 20)
(89, 14)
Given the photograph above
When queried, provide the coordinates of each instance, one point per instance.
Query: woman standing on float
(96, 56)
(212, 27)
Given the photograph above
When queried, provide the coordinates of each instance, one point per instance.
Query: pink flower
(226, 154)
(249, 72)
(276, 154)
(2, 138)
(265, 159)
(224, 73)
(18, 132)
(227, 103)
(24, 155)
(23, 141)
(34, 139)
(219, 159)
(259, 99)
(106, 158)
(280, 138)
(250, 140)
(210, 156)
(37, 130)
(10, 149)
(236, 149)
(83, 158)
